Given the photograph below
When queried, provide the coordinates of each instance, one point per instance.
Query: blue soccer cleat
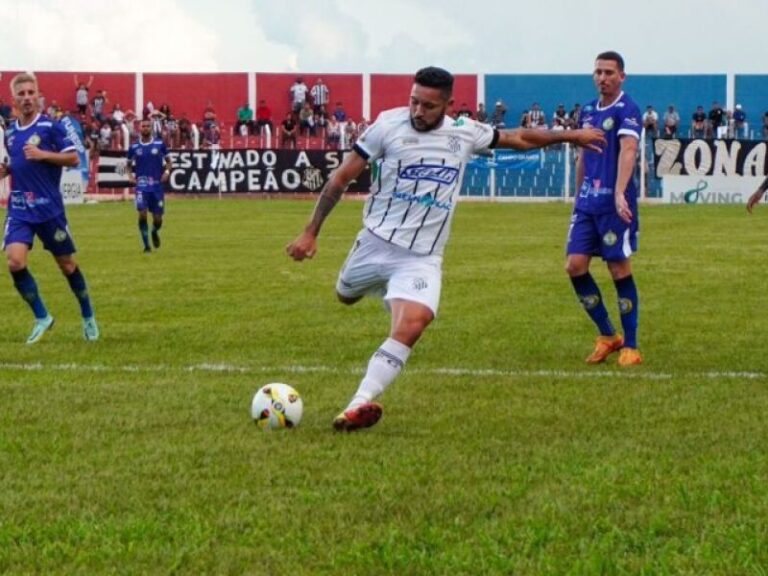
(42, 325)
(90, 329)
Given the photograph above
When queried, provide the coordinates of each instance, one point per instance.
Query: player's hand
(590, 138)
(165, 177)
(622, 209)
(754, 199)
(305, 246)
(32, 152)
(132, 179)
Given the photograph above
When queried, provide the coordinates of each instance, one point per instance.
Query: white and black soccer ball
(277, 405)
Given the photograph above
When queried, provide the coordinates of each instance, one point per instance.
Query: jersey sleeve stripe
(361, 151)
(628, 133)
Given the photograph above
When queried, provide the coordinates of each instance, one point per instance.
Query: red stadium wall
(60, 86)
(393, 90)
(344, 88)
(188, 94)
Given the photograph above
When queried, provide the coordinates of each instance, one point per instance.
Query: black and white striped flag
(113, 170)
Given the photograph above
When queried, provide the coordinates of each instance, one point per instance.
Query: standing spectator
(339, 113)
(172, 131)
(499, 113)
(699, 123)
(81, 95)
(38, 150)
(165, 109)
(740, 126)
(333, 133)
(307, 119)
(105, 136)
(54, 111)
(211, 136)
(560, 120)
(209, 114)
(320, 95)
(536, 116)
(298, 92)
(651, 121)
(605, 216)
(185, 131)
(350, 133)
(716, 116)
(244, 120)
(98, 105)
(465, 111)
(118, 115)
(671, 122)
(525, 119)
(362, 126)
(289, 129)
(575, 115)
(482, 114)
(263, 117)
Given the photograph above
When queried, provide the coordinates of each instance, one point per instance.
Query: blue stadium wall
(686, 92)
(752, 94)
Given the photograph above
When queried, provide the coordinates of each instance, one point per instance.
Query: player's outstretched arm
(305, 245)
(528, 139)
(757, 195)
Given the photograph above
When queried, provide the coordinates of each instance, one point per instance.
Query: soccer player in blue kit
(38, 148)
(151, 168)
(605, 216)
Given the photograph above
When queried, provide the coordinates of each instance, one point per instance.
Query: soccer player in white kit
(398, 255)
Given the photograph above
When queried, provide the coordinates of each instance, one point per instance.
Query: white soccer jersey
(414, 195)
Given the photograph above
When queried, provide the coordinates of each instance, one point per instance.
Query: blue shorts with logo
(151, 200)
(53, 233)
(604, 235)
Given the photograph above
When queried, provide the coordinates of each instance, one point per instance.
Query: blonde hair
(22, 78)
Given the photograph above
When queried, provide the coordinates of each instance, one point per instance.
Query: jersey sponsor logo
(409, 140)
(425, 200)
(607, 123)
(632, 122)
(431, 172)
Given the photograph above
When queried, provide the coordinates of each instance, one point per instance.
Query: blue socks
(27, 287)
(590, 297)
(144, 229)
(628, 308)
(80, 290)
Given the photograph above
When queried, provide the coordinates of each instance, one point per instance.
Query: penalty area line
(225, 368)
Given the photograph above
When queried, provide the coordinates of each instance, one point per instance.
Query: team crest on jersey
(454, 144)
(139, 152)
(607, 124)
(609, 239)
(155, 151)
(34, 140)
(60, 235)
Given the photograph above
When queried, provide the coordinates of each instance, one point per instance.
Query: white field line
(298, 369)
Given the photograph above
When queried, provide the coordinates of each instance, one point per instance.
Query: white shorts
(376, 267)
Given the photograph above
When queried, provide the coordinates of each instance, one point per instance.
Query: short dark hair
(433, 77)
(611, 55)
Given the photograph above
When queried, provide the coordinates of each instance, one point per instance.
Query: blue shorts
(604, 235)
(154, 201)
(53, 233)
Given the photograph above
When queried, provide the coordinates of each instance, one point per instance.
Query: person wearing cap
(739, 122)
(499, 111)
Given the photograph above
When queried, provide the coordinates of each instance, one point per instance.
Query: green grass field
(500, 451)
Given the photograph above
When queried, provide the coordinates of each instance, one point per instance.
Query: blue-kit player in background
(38, 148)
(605, 216)
(150, 169)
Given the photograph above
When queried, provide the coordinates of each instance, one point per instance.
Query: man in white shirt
(299, 92)
(422, 154)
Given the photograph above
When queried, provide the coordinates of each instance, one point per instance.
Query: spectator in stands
(307, 119)
(105, 136)
(651, 122)
(288, 131)
(498, 116)
(339, 113)
(118, 115)
(263, 116)
(165, 109)
(185, 131)
(244, 123)
(171, 132)
(574, 116)
(321, 121)
(671, 122)
(209, 115)
(157, 121)
(560, 120)
(537, 116)
(6, 111)
(464, 111)
(350, 133)
(81, 95)
(525, 119)
(98, 105)
(333, 133)
(211, 136)
(482, 114)
(92, 135)
(41, 103)
(298, 92)
(699, 123)
(765, 125)
(320, 95)
(716, 116)
(54, 111)
(740, 127)
(362, 126)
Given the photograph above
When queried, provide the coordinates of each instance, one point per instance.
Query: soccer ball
(276, 406)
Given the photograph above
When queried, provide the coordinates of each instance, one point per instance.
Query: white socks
(383, 368)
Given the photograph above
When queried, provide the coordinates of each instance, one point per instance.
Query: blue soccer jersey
(618, 119)
(35, 194)
(148, 160)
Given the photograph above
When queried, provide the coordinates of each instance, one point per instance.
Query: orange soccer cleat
(630, 357)
(604, 347)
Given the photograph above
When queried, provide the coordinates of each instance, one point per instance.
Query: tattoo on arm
(328, 199)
